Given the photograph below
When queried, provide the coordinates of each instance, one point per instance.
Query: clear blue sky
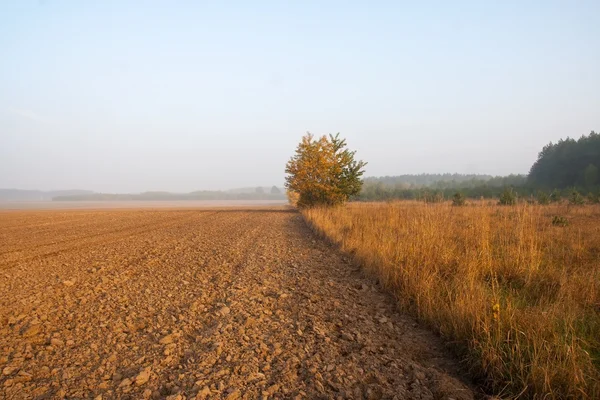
(126, 96)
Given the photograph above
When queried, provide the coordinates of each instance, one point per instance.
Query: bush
(458, 199)
(323, 172)
(559, 221)
(508, 197)
(292, 197)
(576, 198)
(543, 198)
(555, 196)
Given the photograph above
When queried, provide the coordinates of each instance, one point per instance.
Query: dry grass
(519, 296)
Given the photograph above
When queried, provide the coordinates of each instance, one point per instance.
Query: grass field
(515, 289)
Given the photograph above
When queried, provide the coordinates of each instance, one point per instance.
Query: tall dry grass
(517, 295)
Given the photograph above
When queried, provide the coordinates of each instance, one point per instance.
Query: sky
(129, 96)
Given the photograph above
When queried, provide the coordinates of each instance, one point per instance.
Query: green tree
(508, 197)
(566, 164)
(323, 171)
(590, 175)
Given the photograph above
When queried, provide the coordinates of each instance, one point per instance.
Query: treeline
(380, 192)
(472, 186)
(568, 163)
(167, 196)
(567, 169)
(506, 194)
(420, 180)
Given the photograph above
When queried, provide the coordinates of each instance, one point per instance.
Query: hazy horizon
(232, 189)
(144, 191)
(127, 98)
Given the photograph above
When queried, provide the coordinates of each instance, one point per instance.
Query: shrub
(508, 197)
(292, 197)
(559, 221)
(576, 198)
(323, 172)
(458, 199)
(543, 198)
(555, 196)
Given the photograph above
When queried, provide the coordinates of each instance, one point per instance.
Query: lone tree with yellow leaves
(323, 172)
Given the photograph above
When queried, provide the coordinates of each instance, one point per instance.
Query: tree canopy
(568, 163)
(323, 171)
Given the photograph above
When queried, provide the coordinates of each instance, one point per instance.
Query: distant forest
(259, 193)
(561, 169)
(410, 186)
(568, 163)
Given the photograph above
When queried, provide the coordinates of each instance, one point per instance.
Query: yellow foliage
(293, 197)
(323, 171)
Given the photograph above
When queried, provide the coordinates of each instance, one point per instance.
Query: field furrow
(226, 303)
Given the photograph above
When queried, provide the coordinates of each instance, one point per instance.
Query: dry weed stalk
(518, 295)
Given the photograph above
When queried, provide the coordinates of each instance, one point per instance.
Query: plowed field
(183, 304)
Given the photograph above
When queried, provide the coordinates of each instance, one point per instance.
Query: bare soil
(134, 204)
(184, 304)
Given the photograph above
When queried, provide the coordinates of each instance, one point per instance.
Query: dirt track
(199, 304)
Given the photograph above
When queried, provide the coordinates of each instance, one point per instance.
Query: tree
(275, 190)
(590, 175)
(568, 163)
(259, 190)
(292, 197)
(323, 171)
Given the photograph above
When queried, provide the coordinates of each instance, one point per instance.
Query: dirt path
(200, 304)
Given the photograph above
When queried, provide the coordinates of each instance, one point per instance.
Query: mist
(126, 98)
